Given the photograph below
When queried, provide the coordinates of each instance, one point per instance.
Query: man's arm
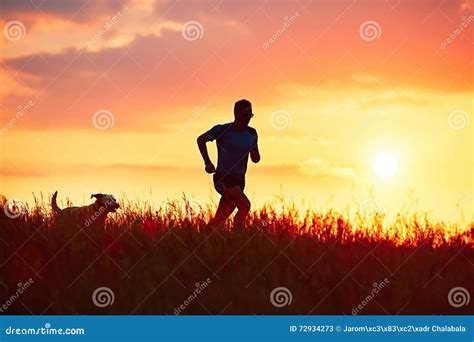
(255, 154)
(201, 142)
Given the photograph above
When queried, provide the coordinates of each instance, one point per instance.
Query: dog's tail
(54, 204)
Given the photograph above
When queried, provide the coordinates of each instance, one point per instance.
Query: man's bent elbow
(201, 140)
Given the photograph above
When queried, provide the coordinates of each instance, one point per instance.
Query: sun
(385, 165)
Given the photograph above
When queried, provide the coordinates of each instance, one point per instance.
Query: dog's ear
(97, 195)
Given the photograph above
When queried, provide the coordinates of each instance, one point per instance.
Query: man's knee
(244, 204)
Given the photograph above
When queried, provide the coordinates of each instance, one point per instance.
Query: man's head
(243, 112)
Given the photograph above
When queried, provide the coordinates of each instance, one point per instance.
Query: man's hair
(241, 105)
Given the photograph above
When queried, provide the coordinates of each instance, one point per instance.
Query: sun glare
(385, 165)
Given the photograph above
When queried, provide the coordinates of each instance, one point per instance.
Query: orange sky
(403, 86)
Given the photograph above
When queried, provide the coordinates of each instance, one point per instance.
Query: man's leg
(224, 209)
(243, 205)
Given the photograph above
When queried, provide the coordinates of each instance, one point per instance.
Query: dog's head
(108, 202)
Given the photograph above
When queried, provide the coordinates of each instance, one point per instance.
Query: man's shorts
(224, 180)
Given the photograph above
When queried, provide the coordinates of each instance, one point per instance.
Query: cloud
(78, 169)
(366, 79)
(300, 140)
(282, 170)
(319, 167)
(155, 168)
(144, 71)
(205, 10)
(152, 77)
(466, 5)
(147, 75)
(73, 10)
(308, 168)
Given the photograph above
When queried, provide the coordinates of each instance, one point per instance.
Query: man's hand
(201, 141)
(255, 154)
(210, 168)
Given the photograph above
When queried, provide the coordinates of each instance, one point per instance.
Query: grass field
(165, 261)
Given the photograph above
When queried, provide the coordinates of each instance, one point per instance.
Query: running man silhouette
(235, 141)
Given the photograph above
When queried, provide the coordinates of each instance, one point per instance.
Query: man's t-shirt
(233, 148)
